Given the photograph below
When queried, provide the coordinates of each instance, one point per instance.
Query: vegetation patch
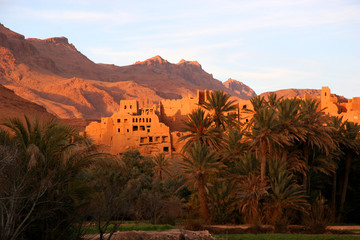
(285, 236)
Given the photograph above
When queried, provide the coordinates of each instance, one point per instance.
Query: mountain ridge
(53, 73)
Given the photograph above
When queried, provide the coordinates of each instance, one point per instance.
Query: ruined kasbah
(158, 129)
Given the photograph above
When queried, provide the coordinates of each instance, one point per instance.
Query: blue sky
(268, 45)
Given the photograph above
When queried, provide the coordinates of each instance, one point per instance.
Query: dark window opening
(127, 130)
(118, 129)
(130, 106)
(148, 130)
(150, 139)
(118, 120)
(244, 107)
(135, 128)
(325, 94)
(142, 128)
(149, 119)
(247, 120)
(166, 149)
(125, 107)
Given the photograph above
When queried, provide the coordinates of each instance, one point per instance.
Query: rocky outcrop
(239, 88)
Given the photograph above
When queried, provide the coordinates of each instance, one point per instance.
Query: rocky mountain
(290, 93)
(54, 74)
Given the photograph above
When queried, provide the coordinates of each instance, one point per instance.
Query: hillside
(54, 74)
(12, 105)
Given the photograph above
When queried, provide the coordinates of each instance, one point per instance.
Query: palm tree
(251, 193)
(317, 133)
(198, 128)
(49, 162)
(350, 145)
(285, 195)
(266, 135)
(161, 165)
(221, 108)
(199, 163)
(234, 146)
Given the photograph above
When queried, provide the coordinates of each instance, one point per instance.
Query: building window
(142, 128)
(164, 138)
(150, 139)
(149, 119)
(125, 120)
(157, 139)
(130, 106)
(247, 120)
(118, 120)
(142, 139)
(135, 128)
(166, 149)
(125, 107)
(127, 130)
(325, 93)
(244, 107)
(118, 129)
(139, 119)
(148, 130)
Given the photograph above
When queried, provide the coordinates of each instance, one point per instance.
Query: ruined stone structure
(157, 129)
(335, 105)
(150, 130)
(131, 128)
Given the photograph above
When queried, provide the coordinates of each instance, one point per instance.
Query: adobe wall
(334, 106)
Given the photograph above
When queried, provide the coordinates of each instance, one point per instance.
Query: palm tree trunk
(263, 163)
(204, 209)
(306, 160)
(346, 181)
(333, 196)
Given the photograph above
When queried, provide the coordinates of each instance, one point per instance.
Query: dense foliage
(290, 164)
